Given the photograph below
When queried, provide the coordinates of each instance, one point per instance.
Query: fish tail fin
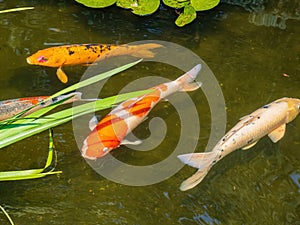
(143, 50)
(203, 161)
(187, 81)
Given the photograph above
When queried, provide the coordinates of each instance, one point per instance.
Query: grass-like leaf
(33, 173)
(16, 9)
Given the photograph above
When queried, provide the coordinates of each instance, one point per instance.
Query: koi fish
(85, 54)
(10, 108)
(111, 131)
(268, 120)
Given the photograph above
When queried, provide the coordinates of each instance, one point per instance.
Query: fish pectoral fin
(93, 123)
(278, 133)
(128, 142)
(61, 75)
(250, 145)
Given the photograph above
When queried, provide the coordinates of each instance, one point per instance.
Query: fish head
(93, 148)
(46, 57)
(293, 108)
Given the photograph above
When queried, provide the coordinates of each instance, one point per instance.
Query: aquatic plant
(17, 128)
(7, 216)
(16, 9)
(146, 7)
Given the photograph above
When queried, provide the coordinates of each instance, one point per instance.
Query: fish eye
(42, 59)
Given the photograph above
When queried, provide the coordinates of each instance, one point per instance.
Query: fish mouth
(28, 60)
(84, 150)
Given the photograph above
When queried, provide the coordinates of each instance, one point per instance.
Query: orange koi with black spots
(112, 130)
(85, 54)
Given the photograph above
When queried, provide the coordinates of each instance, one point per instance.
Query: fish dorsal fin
(93, 122)
(61, 75)
(278, 133)
(250, 145)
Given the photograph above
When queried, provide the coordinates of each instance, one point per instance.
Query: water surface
(259, 186)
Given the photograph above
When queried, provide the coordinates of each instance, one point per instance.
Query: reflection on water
(269, 13)
(258, 186)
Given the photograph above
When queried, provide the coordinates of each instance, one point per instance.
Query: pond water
(255, 58)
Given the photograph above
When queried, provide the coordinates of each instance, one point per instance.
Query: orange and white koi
(112, 130)
(86, 54)
(268, 120)
(10, 108)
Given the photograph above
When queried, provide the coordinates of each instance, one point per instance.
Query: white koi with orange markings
(269, 120)
(111, 131)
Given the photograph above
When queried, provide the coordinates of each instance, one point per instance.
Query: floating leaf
(188, 15)
(126, 4)
(204, 4)
(177, 4)
(140, 7)
(97, 3)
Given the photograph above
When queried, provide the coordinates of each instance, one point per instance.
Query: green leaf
(140, 7)
(96, 3)
(95, 79)
(32, 173)
(188, 15)
(201, 5)
(20, 128)
(177, 4)
(12, 135)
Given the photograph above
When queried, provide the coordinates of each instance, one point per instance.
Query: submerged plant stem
(6, 214)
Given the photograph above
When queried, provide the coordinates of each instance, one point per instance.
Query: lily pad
(97, 3)
(177, 4)
(201, 5)
(140, 7)
(188, 15)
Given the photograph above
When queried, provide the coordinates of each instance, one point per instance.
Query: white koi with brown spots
(12, 107)
(269, 120)
(111, 131)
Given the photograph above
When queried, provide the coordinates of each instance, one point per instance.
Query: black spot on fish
(87, 47)
(108, 47)
(214, 161)
(224, 139)
(71, 52)
(220, 156)
(258, 117)
(222, 150)
(266, 106)
(54, 99)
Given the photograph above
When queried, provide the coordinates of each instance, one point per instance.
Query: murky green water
(259, 186)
